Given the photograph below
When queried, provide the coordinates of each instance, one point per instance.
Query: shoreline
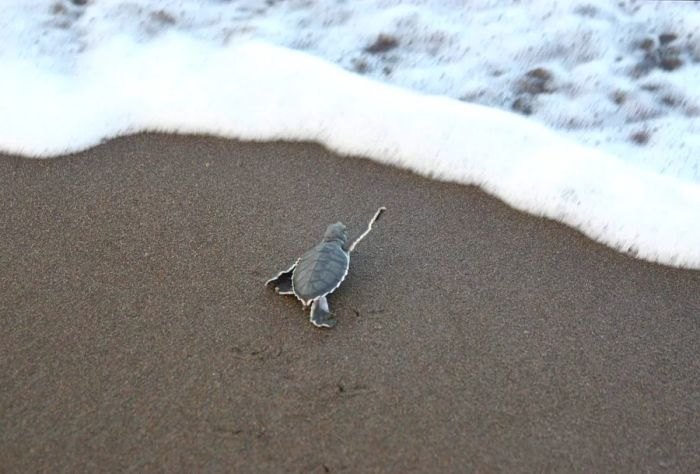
(139, 335)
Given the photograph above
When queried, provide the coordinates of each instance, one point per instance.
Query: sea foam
(618, 76)
(88, 82)
(256, 91)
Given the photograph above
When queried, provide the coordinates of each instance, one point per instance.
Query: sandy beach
(137, 335)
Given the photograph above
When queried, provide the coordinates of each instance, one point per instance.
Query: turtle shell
(320, 271)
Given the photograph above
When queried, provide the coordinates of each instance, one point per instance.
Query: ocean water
(587, 112)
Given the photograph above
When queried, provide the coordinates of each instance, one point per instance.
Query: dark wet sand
(136, 334)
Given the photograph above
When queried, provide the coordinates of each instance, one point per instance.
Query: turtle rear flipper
(283, 281)
(320, 313)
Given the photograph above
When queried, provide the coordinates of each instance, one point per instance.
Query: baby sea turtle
(321, 270)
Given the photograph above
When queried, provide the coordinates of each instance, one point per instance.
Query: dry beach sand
(136, 333)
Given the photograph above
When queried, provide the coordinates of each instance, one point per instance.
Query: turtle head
(336, 233)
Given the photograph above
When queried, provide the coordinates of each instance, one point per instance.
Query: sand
(136, 333)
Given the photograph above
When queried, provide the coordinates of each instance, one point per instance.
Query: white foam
(257, 91)
(606, 89)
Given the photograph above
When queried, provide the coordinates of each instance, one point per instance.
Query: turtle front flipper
(283, 281)
(320, 314)
(350, 246)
